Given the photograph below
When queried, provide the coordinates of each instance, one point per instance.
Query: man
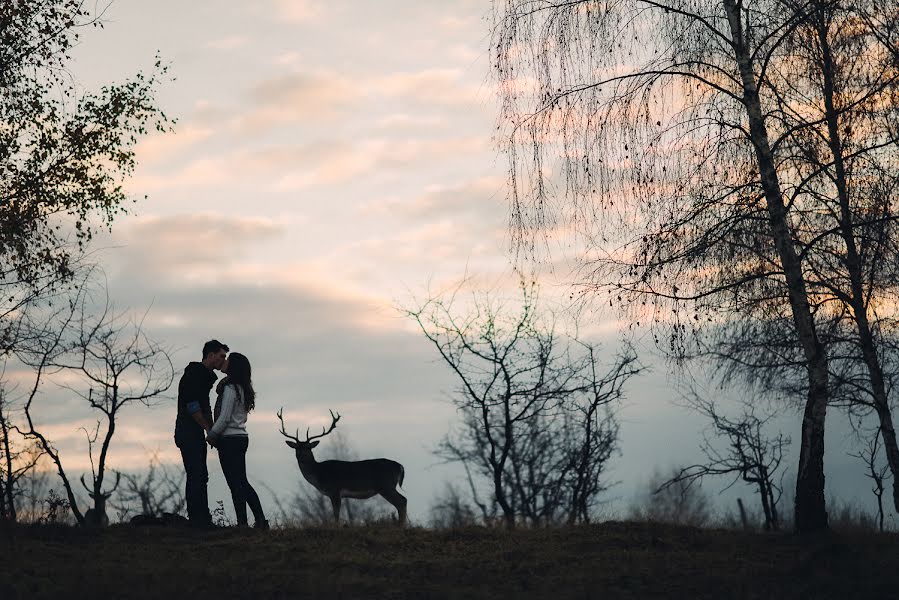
(193, 421)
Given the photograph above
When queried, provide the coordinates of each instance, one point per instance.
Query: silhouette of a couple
(224, 429)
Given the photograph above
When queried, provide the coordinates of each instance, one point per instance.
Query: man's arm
(200, 418)
(196, 413)
(193, 390)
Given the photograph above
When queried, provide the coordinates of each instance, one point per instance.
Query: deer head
(100, 497)
(96, 515)
(304, 447)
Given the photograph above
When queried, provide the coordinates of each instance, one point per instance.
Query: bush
(680, 503)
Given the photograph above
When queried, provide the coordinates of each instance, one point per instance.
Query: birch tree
(666, 135)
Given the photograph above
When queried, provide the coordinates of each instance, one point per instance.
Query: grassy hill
(610, 560)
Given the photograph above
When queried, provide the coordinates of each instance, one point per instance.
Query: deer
(96, 515)
(338, 479)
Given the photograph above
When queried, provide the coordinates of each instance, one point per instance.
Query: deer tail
(402, 475)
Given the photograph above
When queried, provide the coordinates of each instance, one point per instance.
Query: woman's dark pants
(233, 456)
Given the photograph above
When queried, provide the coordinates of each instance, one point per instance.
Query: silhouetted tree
(840, 110)
(64, 153)
(116, 362)
(156, 491)
(694, 144)
(16, 461)
(537, 419)
(840, 89)
(33, 487)
(748, 454)
(876, 471)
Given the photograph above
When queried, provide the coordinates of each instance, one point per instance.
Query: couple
(227, 432)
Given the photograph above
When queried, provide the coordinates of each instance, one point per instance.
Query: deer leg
(398, 501)
(335, 504)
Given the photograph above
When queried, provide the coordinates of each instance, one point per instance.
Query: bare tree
(116, 362)
(683, 135)
(537, 419)
(45, 341)
(156, 491)
(16, 460)
(876, 471)
(748, 455)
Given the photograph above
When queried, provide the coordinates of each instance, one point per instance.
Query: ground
(609, 560)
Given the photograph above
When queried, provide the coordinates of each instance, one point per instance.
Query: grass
(610, 560)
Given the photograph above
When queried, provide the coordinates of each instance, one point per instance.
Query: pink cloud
(378, 155)
(158, 147)
(296, 97)
(299, 11)
(429, 86)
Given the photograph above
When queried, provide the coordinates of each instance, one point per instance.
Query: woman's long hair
(239, 373)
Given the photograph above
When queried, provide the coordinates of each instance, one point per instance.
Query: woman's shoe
(263, 524)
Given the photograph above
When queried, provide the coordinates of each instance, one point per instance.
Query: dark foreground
(611, 560)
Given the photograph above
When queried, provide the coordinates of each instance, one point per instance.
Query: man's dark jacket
(193, 395)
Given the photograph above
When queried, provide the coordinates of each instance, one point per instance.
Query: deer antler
(334, 420)
(296, 437)
(118, 478)
(107, 494)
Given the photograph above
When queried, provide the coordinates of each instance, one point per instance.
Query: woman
(229, 436)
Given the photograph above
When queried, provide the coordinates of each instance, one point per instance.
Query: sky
(331, 160)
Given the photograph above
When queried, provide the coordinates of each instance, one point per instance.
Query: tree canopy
(64, 152)
(730, 169)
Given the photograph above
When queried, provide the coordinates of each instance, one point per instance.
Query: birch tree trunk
(810, 513)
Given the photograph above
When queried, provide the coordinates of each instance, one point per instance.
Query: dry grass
(611, 560)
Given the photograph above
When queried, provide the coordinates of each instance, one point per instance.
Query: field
(610, 560)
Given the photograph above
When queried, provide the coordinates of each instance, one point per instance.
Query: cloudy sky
(331, 159)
